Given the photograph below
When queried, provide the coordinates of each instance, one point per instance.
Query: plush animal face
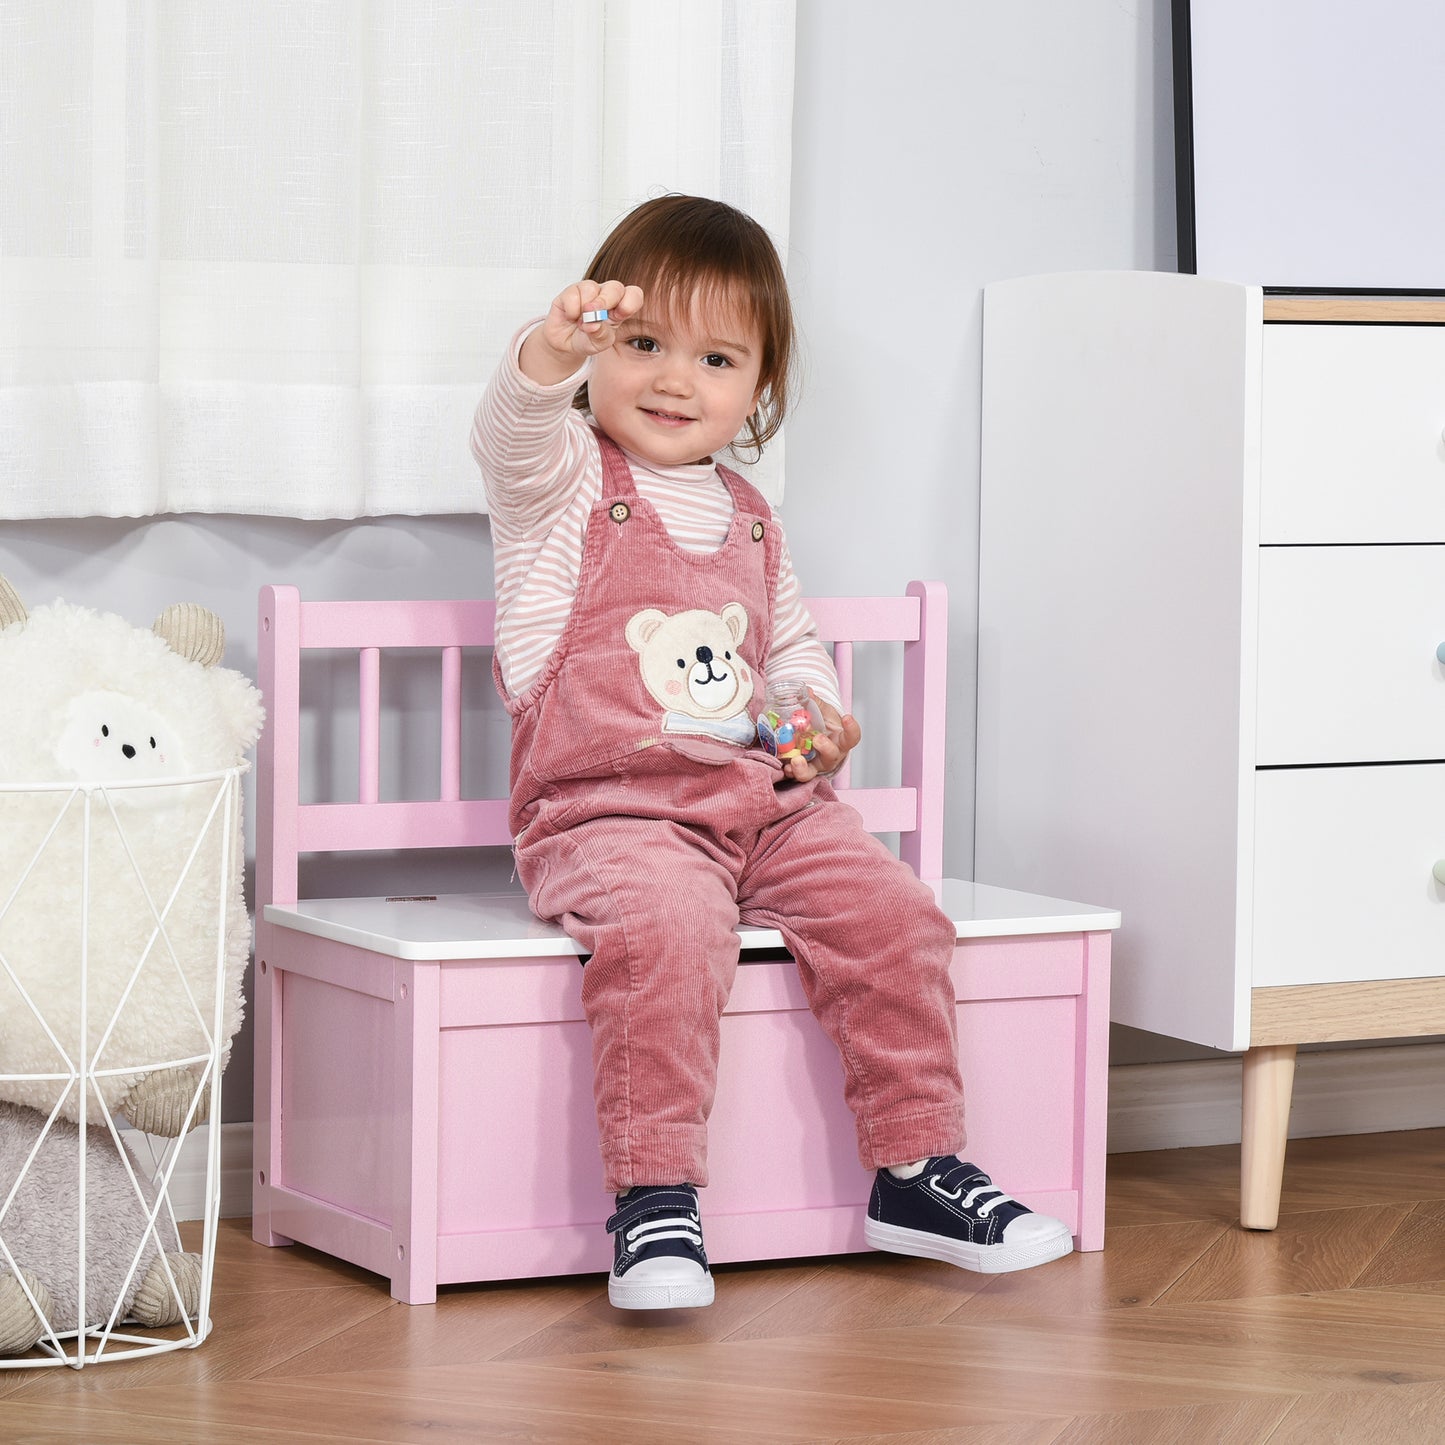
(690, 662)
(101, 700)
(107, 736)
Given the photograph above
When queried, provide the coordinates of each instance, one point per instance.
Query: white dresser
(1212, 587)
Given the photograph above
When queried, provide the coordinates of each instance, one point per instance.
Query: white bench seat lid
(500, 925)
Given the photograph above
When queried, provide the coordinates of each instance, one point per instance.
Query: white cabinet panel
(1212, 586)
(1347, 665)
(1343, 888)
(1113, 594)
(1351, 439)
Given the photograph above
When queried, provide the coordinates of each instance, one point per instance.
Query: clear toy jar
(790, 720)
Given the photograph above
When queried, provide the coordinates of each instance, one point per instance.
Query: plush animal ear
(641, 626)
(735, 615)
(12, 609)
(193, 631)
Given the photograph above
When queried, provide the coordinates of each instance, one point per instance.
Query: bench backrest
(288, 627)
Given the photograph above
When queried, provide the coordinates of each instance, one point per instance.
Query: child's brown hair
(678, 247)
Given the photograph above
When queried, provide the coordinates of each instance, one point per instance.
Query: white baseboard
(1336, 1091)
(1151, 1106)
(188, 1183)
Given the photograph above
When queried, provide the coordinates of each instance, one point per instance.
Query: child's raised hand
(830, 749)
(558, 346)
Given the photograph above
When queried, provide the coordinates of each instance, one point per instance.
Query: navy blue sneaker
(954, 1212)
(658, 1261)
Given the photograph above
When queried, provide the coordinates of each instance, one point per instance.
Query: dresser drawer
(1347, 665)
(1350, 446)
(1343, 887)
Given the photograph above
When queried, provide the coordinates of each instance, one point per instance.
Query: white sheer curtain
(261, 256)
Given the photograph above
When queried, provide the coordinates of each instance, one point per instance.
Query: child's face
(676, 387)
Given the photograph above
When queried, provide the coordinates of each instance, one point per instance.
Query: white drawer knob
(1439, 871)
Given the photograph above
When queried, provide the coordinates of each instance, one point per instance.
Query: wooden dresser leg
(1268, 1081)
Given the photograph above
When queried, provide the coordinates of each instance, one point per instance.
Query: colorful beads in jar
(790, 720)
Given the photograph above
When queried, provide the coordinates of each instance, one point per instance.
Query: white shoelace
(678, 1226)
(984, 1210)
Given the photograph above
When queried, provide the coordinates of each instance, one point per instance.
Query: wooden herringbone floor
(1185, 1329)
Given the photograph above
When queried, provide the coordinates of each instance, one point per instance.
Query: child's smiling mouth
(668, 418)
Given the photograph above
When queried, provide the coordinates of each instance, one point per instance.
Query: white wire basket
(114, 920)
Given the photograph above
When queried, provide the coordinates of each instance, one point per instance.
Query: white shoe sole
(980, 1258)
(693, 1294)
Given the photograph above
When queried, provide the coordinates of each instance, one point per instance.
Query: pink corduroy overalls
(648, 823)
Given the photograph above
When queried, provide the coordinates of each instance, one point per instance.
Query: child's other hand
(830, 750)
(563, 341)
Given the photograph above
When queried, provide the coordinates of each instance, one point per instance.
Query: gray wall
(935, 150)
(937, 147)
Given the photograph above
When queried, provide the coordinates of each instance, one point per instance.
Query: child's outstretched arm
(564, 340)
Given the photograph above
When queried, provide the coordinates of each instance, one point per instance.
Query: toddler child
(645, 595)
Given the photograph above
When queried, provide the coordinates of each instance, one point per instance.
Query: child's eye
(716, 359)
(643, 343)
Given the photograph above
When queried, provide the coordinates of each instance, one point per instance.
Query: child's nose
(675, 378)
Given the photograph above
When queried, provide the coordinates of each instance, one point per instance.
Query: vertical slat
(843, 666)
(925, 665)
(451, 783)
(369, 727)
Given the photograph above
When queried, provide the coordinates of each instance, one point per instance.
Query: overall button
(758, 531)
(620, 512)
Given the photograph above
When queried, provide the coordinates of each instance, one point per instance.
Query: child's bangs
(721, 303)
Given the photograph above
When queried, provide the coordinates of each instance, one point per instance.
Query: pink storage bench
(423, 1080)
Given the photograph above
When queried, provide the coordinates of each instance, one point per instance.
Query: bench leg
(417, 1063)
(1268, 1082)
(266, 1098)
(1091, 1093)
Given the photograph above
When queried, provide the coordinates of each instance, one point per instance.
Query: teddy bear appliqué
(690, 664)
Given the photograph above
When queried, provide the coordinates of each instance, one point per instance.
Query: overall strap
(746, 497)
(616, 474)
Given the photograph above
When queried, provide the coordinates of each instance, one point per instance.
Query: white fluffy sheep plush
(147, 911)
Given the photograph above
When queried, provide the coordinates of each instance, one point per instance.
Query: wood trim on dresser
(1417, 310)
(1317, 1013)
